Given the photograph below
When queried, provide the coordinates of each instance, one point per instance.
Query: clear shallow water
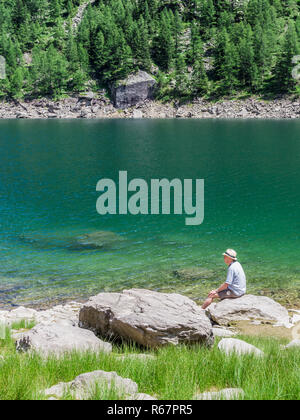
(48, 176)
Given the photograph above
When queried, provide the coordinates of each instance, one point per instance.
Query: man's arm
(223, 286)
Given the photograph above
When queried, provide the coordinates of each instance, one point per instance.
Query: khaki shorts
(227, 294)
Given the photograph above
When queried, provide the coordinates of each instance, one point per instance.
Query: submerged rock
(96, 240)
(148, 318)
(83, 386)
(240, 347)
(92, 240)
(58, 339)
(248, 308)
(193, 273)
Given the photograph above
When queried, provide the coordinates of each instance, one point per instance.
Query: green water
(48, 176)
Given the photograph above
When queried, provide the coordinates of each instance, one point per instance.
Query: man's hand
(212, 293)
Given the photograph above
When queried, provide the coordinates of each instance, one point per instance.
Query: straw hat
(231, 254)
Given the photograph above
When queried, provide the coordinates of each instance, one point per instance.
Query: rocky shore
(91, 106)
(150, 320)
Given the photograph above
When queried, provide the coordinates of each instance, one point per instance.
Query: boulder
(223, 332)
(248, 308)
(224, 394)
(60, 338)
(233, 345)
(135, 89)
(146, 317)
(85, 384)
(293, 344)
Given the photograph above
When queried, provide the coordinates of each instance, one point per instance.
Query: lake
(48, 176)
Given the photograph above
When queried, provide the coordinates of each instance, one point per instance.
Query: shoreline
(92, 106)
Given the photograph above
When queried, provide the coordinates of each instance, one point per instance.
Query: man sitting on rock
(235, 285)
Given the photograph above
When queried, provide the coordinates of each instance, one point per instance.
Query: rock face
(135, 89)
(148, 318)
(60, 338)
(85, 384)
(233, 345)
(224, 394)
(248, 308)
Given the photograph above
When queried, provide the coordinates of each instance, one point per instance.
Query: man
(235, 285)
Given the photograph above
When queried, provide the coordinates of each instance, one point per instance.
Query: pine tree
(284, 67)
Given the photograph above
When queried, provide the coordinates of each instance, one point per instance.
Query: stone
(96, 240)
(293, 344)
(58, 339)
(85, 384)
(222, 332)
(248, 308)
(193, 273)
(146, 317)
(142, 357)
(224, 394)
(135, 89)
(141, 397)
(61, 313)
(137, 113)
(233, 345)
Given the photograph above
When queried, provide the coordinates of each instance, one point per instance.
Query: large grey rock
(60, 338)
(85, 384)
(135, 89)
(233, 345)
(146, 317)
(248, 308)
(224, 394)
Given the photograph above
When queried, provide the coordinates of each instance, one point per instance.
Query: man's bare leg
(209, 300)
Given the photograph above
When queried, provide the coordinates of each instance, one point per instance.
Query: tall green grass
(176, 373)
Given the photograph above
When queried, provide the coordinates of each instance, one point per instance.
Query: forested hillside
(192, 47)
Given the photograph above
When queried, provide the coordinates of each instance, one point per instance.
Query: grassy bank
(175, 373)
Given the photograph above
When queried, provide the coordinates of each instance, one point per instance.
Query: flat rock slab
(148, 318)
(67, 313)
(85, 384)
(57, 339)
(224, 394)
(233, 345)
(248, 308)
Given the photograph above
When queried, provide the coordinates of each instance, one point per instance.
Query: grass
(176, 373)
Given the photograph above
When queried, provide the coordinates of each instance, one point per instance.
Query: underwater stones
(92, 240)
(96, 240)
(193, 273)
(149, 318)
